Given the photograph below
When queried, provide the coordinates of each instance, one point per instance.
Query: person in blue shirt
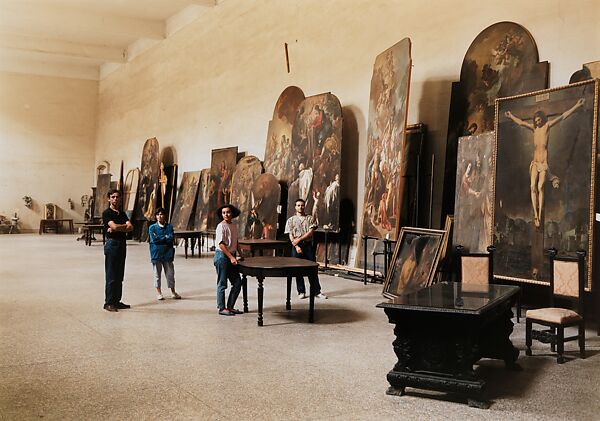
(162, 253)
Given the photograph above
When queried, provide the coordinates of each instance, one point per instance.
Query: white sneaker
(301, 295)
(321, 296)
(160, 297)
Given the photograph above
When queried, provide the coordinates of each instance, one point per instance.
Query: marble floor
(63, 357)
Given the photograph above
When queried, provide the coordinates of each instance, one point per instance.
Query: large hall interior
(445, 155)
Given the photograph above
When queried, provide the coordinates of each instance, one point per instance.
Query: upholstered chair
(567, 280)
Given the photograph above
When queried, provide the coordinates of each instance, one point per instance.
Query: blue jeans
(225, 270)
(308, 254)
(115, 252)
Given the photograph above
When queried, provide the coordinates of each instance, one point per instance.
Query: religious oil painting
(474, 186)
(205, 187)
(414, 262)
(168, 185)
(278, 159)
(316, 159)
(246, 172)
(501, 61)
(386, 134)
(130, 191)
(186, 199)
(385, 141)
(102, 188)
(221, 169)
(265, 196)
(148, 182)
(545, 175)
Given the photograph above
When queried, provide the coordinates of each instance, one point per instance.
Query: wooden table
(261, 244)
(190, 235)
(443, 330)
(264, 266)
(56, 224)
(88, 232)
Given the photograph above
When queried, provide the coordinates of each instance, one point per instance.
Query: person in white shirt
(225, 260)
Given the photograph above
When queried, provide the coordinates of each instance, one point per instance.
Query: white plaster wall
(47, 134)
(215, 83)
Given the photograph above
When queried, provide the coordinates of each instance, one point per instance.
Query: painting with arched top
(278, 160)
(246, 172)
(205, 191)
(316, 159)
(501, 61)
(130, 191)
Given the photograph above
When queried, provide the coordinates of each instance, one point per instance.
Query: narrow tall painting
(205, 187)
(501, 61)
(245, 174)
(261, 220)
(186, 198)
(130, 191)
(221, 169)
(316, 159)
(278, 159)
(386, 134)
(545, 179)
(148, 184)
(474, 185)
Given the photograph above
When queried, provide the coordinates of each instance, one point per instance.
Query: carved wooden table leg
(245, 292)
(260, 300)
(288, 302)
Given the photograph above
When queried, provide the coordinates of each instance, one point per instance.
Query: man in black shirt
(116, 226)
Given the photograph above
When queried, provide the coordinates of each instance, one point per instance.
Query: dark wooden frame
(555, 334)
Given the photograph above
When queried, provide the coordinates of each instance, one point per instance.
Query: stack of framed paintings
(501, 61)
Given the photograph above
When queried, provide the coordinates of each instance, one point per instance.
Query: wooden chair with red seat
(567, 280)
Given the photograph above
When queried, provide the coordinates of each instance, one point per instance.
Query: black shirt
(118, 217)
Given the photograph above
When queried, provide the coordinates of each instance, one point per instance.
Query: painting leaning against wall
(545, 175)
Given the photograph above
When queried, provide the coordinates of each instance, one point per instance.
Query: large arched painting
(261, 220)
(316, 159)
(246, 172)
(501, 61)
(278, 160)
(130, 190)
(148, 187)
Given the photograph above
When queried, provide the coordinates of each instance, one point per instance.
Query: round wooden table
(287, 267)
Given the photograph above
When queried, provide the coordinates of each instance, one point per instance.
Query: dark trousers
(225, 271)
(115, 252)
(309, 254)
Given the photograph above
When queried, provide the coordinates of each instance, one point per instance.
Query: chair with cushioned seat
(567, 280)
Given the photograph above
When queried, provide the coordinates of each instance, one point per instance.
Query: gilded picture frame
(544, 189)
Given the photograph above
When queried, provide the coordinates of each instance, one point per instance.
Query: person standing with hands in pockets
(162, 253)
(225, 260)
